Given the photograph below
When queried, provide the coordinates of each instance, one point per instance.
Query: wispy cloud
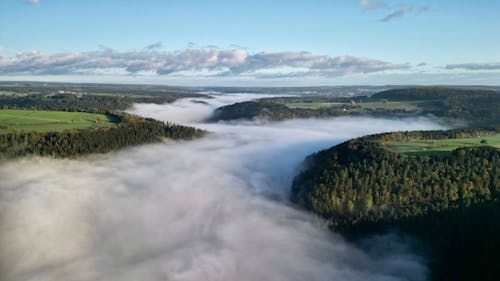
(32, 2)
(393, 11)
(397, 13)
(475, 66)
(369, 5)
(154, 46)
(191, 61)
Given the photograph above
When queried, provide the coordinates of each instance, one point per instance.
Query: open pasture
(42, 121)
(441, 146)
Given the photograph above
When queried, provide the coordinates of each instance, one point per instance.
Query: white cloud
(191, 61)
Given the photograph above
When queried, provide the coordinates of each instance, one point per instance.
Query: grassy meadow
(314, 105)
(442, 146)
(41, 121)
(388, 105)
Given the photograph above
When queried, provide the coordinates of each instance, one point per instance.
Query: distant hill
(479, 107)
(86, 97)
(475, 106)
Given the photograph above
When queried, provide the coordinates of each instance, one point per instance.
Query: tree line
(83, 103)
(463, 133)
(131, 130)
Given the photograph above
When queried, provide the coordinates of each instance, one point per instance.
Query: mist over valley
(216, 208)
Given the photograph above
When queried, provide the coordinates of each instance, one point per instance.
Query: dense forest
(73, 102)
(477, 107)
(450, 202)
(63, 102)
(272, 111)
(130, 130)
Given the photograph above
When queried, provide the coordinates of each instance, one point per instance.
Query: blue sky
(251, 42)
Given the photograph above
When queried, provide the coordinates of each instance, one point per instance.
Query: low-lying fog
(212, 209)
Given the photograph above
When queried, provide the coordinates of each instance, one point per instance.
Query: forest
(130, 130)
(83, 103)
(447, 201)
(104, 99)
(475, 106)
(267, 109)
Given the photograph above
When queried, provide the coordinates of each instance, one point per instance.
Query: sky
(251, 43)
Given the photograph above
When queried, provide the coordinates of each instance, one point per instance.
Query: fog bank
(211, 209)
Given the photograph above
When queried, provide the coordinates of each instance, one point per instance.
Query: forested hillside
(476, 107)
(272, 111)
(450, 202)
(360, 181)
(130, 130)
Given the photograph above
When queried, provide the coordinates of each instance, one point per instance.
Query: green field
(10, 93)
(389, 105)
(41, 121)
(314, 105)
(442, 146)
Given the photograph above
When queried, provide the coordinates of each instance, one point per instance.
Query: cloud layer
(199, 61)
(212, 209)
(474, 66)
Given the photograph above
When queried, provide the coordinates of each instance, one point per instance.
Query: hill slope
(476, 107)
(129, 130)
(450, 202)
